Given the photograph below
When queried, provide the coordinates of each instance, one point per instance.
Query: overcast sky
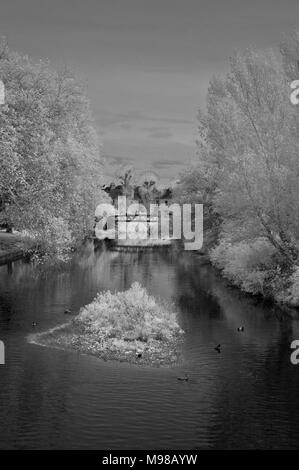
(146, 63)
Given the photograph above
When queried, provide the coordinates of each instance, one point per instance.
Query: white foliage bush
(132, 314)
(292, 296)
(244, 264)
(54, 240)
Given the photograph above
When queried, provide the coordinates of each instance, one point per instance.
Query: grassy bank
(13, 246)
(257, 269)
(129, 326)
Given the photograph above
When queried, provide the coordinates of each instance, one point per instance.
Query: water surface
(247, 396)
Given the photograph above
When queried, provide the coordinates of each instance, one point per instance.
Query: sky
(146, 63)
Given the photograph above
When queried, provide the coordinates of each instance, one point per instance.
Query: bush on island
(129, 315)
(129, 326)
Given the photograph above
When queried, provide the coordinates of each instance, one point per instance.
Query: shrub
(130, 315)
(247, 265)
(292, 293)
(53, 240)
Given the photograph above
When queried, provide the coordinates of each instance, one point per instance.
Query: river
(246, 396)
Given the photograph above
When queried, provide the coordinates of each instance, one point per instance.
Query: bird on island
(218, 348)
(67, 311)
(34, 324)
(183, 379)
(138, 353)
(240, 328)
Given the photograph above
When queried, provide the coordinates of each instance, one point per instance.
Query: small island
(129, 326)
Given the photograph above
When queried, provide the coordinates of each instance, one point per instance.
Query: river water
(246, 396)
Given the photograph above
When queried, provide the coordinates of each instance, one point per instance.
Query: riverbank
(257, 270)
(128, 326)
(13, 246)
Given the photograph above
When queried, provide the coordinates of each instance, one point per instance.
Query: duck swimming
(183, 379)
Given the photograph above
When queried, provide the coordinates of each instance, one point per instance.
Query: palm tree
(126, 181)
(148, 192)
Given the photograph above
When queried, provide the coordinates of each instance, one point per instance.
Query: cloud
(159, 132)
(125, 118)
(115, 160)
(126, 126)
(166, 164)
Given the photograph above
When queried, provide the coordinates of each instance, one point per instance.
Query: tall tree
(248, 149)
(49, 154)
